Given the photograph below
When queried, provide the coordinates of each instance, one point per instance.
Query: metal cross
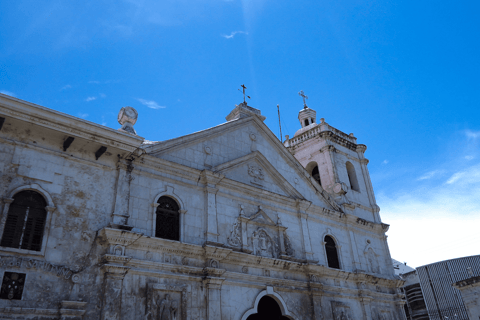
(243, 86)
(304, 96)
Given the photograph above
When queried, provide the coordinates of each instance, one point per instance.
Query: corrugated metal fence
(436, 279)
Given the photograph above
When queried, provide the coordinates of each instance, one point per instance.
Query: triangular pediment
(262, 218)
(254, 169)
(239, 147)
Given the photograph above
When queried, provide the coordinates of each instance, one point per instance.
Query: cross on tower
(243, 86)
(304, 96)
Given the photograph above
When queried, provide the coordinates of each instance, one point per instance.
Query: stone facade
(252, 222)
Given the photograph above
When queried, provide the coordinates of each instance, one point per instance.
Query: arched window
(352, 176)
(316, 175)
(332, 254)
(25, 222)
(306, 122)
(168, 219)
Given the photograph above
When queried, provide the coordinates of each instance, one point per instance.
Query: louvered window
(332, 254)
(168, 219)
(25, 222)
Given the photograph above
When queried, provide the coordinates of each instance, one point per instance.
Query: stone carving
(266, 273)
(235, 235)
(127, 117)
(380, 314)
(263, 244)
(245, 269)
(7, 261)
(166, 302)
(288, 245)
(118, 250)
(167, 309)
(167, 258)
(185, 261)
(313, 278)
(212, 263)
(257, 173)
(341, 311)
(372, 261)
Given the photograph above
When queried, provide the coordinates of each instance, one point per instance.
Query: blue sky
(402, 76)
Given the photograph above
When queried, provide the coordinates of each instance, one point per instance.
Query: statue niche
(166, 309)
(263, 244)
(166, 302)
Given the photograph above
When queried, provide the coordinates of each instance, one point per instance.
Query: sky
(402, 76)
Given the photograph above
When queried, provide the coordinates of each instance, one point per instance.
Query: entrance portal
(268, 309)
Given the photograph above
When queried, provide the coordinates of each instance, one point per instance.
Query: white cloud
(102, 95)
(90, 99)
(65, 87)
(430, 224)
(231, 35)
(8, 93)
(430, 175)
(82, 115)
(385, 161)
(469, 157)
(472, 134)
(151, 104)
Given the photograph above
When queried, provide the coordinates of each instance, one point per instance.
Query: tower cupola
(307, 116)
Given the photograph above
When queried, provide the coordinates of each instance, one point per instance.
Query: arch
(169, 192)
(313, 170)
(167, 222)
(306, 122)
(331, 252)
(278, 299)
(352, 176)
(30, 236)
(33, 187)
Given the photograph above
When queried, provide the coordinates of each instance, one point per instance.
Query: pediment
(261, 218)
(254, 169)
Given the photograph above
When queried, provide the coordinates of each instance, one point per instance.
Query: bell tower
(336, 162)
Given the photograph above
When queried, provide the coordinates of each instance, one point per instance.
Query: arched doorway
(268, 309)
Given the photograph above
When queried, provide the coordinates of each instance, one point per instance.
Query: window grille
(332, 254)
(168, 219)
(25, 222)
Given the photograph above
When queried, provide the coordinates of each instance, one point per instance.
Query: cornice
(61, 122)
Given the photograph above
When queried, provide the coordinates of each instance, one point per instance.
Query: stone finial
(127, 117)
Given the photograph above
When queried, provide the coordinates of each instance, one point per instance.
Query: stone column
(361, 148)
(302, 206)
(112, 292)
(214, 295)
(211, 179)
(328, 152)
(120, 212)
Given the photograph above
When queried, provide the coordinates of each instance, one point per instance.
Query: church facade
(226, 223)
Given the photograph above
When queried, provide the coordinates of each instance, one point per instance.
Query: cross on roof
(243, 86)
(304, 96)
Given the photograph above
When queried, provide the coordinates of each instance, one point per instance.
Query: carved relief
(212, 263)
(185, 261)
(235, 235)
(245, 269)
(263, 244)
(266, 273)
(341, 311)
(166, 302)
(257, 174)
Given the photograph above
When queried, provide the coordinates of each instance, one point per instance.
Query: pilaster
(210, 180)
(120, 212)
(302, 206)
(112, 292)
(214, 295)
